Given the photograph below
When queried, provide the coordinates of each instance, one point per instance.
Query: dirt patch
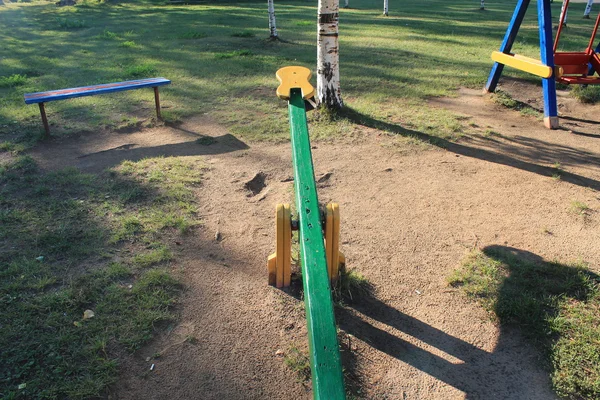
(408, 219)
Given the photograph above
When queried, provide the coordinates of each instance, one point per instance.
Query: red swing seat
(574, 67)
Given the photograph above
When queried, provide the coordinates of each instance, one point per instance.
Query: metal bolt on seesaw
(320, 257)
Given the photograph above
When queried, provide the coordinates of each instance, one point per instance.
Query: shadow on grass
(60, 236)
(502, 156)
(524, 297)
(554, 305)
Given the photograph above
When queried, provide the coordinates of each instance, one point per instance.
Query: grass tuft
(298, 361)
(504, 99)
(140, 71)
(243, 34)
(12, 80)
(577, 207)
(129, 44)
(154, 257)
(586, 94)
(554, 305)
(233, 54)
(108, 35)
(351, 286)
(71, 23)
(192, 35)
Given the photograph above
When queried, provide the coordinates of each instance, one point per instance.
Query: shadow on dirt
(504, 155)
(530, 282)
(199, 145)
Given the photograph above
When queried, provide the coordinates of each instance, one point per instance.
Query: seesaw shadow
(502, 373)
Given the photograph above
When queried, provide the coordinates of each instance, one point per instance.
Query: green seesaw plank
(326, 367)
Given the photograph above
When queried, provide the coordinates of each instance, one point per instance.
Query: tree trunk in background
(346, 4)
(482, 6)
(272, 25)
(328, 69)
(385, 7)
(563, 10)
(588, 8)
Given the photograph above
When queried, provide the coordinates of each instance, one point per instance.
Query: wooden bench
(43, 97)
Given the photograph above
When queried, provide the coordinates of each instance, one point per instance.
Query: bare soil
(409, 216)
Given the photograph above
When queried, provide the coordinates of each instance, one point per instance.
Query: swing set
(579, 68)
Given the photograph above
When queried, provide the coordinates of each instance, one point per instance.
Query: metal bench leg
(157, 101)
(44, 120)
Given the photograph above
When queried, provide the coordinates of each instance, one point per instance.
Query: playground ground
(426, 170)
(411, 212)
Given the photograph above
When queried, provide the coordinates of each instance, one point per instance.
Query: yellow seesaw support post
(335, 258)
(279, 263)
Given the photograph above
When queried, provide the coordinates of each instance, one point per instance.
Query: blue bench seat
(63, 94)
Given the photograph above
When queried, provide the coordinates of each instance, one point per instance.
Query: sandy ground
(409, 216)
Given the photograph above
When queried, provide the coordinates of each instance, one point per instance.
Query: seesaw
(320, 257)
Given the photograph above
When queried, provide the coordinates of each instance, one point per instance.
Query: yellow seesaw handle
(294, 78)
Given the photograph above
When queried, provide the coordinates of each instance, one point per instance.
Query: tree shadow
(529, 148)
(500, 374)
(489, 155)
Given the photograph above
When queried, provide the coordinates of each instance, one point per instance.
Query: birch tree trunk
(272, 25)
(482, 6)
(346, 4)
(563, 10)
(328, 69)
(588, 9)
(385, 7)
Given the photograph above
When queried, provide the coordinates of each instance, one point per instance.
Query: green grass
(220, 62)
(350, 287)
(108, 232)
(13, 80)
(298, 361)
(132, 44)
(192, 35)
(71, 23)
(587, 94)
(555, 306)
(579, 208)
(233, 54)
(71, 242)
(243, 34)
(558, 170)
(504, 99)
(139, 70)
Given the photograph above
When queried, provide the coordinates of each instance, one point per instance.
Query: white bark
(385, 7)
(482, 6)
(272, 24)
(328, 69)
(563, 10)
(346, 3)
(588, 8)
